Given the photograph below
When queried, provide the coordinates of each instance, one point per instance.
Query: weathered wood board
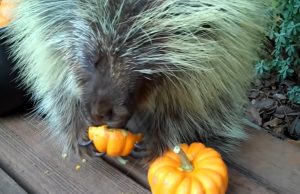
(265, 165)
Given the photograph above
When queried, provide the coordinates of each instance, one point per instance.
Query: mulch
(271, 109)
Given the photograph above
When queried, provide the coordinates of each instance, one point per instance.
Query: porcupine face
(111, 86)
(110, 54)
(110, 90)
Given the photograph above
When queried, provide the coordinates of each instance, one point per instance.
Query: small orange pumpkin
(6, 12)
(113, 142)
(194, 169)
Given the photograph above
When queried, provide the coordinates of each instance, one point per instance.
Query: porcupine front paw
(87, 144)
(138, 152)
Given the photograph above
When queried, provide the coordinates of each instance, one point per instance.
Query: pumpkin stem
(185, 162)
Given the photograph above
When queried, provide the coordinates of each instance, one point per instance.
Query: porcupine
(177, 71)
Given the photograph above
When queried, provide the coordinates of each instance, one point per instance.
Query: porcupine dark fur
(178, 71)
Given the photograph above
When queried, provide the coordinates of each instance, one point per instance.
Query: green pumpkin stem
(185, 162)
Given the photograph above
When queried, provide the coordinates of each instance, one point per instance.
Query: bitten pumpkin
(194, 169)
(6, 10)
(113, 142)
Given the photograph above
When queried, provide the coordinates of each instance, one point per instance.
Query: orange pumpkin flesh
(209, 175)
(113, 142)
(6, 8)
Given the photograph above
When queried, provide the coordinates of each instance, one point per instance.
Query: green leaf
(291, 29)
(262, 67)
(290, 50)
(284, 32)
(294, 94)
(297, 7)
(280, 38)
(290, 72)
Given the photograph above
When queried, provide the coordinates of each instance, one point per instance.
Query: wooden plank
(8, 185)
(265, 164)
(270, 161)
(238, 182)
(42, 170)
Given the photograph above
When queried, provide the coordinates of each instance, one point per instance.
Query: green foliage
(294, 94)
(284, 33)
(262, 67)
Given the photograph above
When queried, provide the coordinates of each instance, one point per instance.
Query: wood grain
(270, 161)
(42, 170)
(264, 165)
(8, 185)
(238, 182)
(242, 184)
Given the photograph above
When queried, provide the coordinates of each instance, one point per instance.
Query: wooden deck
(265, 165)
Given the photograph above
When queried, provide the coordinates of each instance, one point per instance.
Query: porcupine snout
(107, 106)
(103, 110)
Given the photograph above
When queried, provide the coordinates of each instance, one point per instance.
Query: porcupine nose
(104, 111)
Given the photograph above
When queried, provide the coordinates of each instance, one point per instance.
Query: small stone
(279, 97)
(263, 104)
(294, 129)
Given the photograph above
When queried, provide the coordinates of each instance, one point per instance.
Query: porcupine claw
(83, 139)
(88, 144)
(139, 146)
(139, 151)
(98, 154)
(84, 143)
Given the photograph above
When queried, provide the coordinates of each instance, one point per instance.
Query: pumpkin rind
(113, 142)
(209, 174)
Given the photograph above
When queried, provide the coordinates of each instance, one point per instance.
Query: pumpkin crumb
(77, 167)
